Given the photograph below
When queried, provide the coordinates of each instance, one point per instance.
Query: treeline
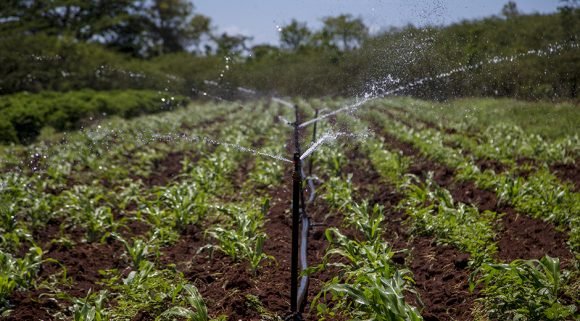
(165, 45)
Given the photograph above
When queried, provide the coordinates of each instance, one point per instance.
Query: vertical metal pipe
(297, 182)
(313, 140)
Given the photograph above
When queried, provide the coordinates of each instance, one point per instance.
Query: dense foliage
(164, 44)
(25, 114)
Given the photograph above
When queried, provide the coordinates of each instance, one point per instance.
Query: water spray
(550, 49)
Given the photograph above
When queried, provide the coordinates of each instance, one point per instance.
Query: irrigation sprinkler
(300, 232)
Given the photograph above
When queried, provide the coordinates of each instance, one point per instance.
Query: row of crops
(174, 215)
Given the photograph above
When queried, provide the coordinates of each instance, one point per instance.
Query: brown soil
(523, 237)
(165, 169)
(491, 164)
(33, 305)
(225, 284)
(440, 272)
(441, 277)
(82, 263)
(568, 173)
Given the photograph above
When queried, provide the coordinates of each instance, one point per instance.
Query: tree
(173, 27)
(570, 18)
(199, 26)
(344, 31)
(138, 27)
(264, 51)
(295, 35)
(231, 45)
(83, 20)
(510, 10)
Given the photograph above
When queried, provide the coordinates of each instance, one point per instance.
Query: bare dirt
(569, 173)
(165, 170)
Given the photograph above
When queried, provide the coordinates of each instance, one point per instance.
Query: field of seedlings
(416, 210)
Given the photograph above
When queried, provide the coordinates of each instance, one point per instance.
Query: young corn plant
(434, 212)
(266, 172)
(372, 288)
(18, 273)
(100, 224)
(151, 290)
(241, 237)
(331, 158)
(338, 192)
(91, 308)
(391, 165)
(137, 251)
(368, 221)
(197, 310)
(11, 231)
(530, 290)
(16, 201)
(185, 202)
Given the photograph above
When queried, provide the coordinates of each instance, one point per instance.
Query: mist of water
(380, 91)
(283, 102)
(330, 137)
(285, 121)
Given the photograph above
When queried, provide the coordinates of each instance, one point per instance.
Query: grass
(548, 120)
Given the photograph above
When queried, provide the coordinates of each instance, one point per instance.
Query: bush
(7, 131)
(26, 114)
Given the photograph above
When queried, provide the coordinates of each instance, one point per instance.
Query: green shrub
(7, 132)
(26, 114)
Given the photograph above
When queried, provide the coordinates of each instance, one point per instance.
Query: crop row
(185, 217)
(73, 194)
(540, 194)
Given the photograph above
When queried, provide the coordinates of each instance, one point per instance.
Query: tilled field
(173, 216)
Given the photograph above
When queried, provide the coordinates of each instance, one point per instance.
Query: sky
(261, 19)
